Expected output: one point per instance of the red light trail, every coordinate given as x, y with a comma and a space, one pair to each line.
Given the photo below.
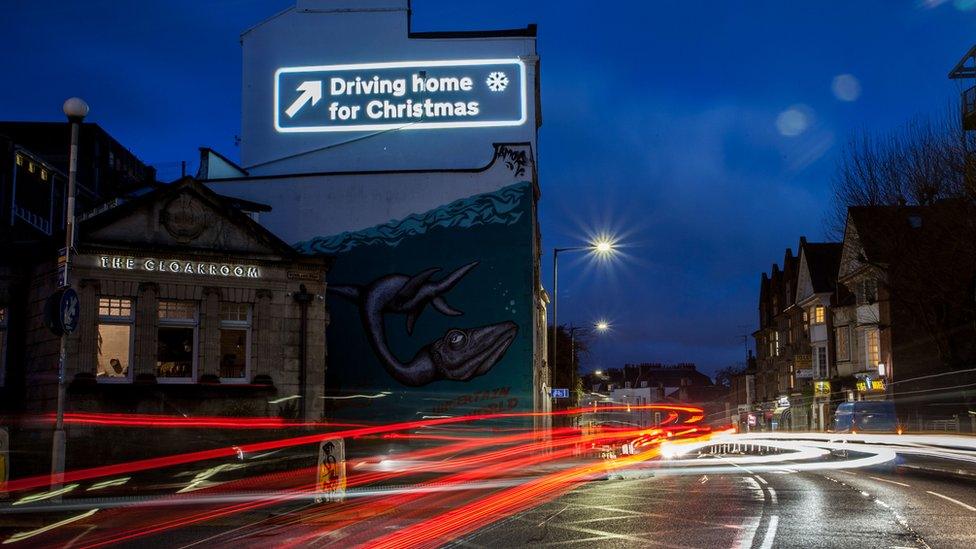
232, 451
520, 457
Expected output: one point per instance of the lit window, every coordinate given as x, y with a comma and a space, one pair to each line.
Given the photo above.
114, 339
31, 167
872, 349
108, 306
819, 314
43, 174
20, 160
176, 341
235, 341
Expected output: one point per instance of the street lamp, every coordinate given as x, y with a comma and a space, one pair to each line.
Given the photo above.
75, 109
601, 326
601, 247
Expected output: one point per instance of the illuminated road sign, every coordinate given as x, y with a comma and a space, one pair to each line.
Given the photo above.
408, 95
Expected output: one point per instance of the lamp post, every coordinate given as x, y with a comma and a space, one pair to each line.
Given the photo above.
600, 327
75, 109
602, 247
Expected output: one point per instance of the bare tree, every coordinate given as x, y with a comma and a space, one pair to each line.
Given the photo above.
922, 163
922, 236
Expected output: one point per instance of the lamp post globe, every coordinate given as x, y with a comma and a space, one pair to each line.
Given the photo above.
75, 108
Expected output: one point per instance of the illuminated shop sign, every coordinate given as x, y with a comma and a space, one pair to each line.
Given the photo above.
411, 95
869, 384
821, 388
175, 266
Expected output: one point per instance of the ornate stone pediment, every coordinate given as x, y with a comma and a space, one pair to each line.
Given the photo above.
186, 215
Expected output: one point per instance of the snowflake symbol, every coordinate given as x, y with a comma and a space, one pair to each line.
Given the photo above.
497, 81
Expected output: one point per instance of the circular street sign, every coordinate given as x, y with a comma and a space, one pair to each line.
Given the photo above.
62, 310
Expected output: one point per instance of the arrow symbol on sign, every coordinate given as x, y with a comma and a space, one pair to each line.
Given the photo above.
311, 91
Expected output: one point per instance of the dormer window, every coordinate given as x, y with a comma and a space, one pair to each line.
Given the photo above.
867, 291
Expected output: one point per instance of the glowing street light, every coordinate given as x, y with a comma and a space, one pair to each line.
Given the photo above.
602, 246
602, 326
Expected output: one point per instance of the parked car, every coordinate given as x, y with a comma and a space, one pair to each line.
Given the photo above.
866, 416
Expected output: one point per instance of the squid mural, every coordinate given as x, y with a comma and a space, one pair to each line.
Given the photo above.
435, 308
461, 354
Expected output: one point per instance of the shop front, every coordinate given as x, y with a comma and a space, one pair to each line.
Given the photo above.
187, 307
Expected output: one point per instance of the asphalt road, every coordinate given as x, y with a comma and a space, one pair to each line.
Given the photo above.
875, 507
887, 506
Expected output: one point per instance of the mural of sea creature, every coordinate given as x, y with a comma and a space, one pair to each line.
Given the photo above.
459, 355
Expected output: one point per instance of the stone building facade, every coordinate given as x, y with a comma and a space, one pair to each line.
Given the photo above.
187, 306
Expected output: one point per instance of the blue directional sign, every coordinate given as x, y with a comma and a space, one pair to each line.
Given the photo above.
407, 95
62, 311
560, 393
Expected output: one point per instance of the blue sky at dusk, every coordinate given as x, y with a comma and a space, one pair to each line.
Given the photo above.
702, 134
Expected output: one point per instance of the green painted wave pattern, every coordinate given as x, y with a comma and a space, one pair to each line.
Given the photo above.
501, 206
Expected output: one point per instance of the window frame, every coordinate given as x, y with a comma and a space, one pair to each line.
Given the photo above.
846, 331
247, 325
114, 320
867, 291
820, 362
4, 331
870, 363
819, 315
179, 323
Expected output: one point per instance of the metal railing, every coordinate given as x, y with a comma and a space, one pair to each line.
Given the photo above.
40, 223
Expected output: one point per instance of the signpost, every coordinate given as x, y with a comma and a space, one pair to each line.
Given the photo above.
560, 393
62, 267
330, 477
411, 95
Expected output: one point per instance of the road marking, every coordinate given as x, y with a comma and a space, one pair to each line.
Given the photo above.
552, 516
762, 480
892, 481
746, 535
704, 479
956, 501
767, 542
20, 536
772, 494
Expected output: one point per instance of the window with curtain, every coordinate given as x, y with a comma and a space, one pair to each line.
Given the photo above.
115, 323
